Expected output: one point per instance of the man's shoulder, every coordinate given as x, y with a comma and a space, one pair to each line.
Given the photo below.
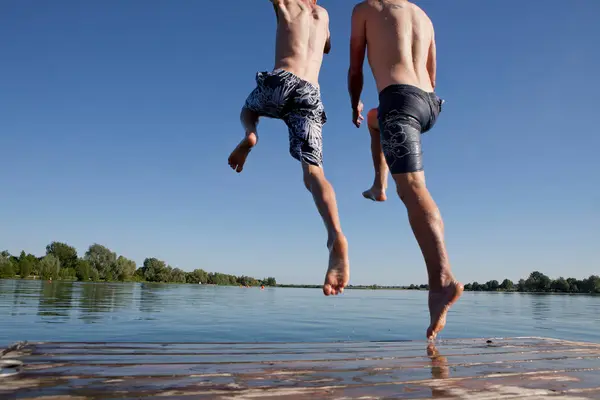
362, 7
420, 12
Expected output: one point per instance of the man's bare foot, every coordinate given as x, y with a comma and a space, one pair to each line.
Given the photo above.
439, 304
375, 194
338, 273
237, 158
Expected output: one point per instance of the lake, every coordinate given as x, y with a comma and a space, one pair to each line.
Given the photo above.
73, 311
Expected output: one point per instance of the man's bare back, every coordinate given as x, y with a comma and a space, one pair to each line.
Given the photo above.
401, 43
302, 38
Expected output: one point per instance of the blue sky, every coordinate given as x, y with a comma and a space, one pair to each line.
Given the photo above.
117, 118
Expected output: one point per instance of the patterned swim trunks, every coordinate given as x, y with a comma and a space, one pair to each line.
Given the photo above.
283, 95
404, 113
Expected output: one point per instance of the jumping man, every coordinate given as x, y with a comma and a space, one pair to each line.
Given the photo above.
400, 41
290, 92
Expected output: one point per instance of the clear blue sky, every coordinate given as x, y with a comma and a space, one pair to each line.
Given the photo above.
117, 118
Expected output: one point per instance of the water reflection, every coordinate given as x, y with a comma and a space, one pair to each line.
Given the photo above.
151, 297
55, 301
17, 300
97, 299
541, 305
439, 370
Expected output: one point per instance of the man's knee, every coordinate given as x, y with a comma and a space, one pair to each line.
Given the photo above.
372, 121
247, 116
410, 186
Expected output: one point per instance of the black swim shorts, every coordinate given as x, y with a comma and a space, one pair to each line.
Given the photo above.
283, 95
404, 113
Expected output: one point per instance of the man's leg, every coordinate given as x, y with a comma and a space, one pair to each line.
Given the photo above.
428, 227
238, 156
377, 191
338, 272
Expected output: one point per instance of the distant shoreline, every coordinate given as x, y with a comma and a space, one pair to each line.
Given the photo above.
289, 286
393, 288
100, 264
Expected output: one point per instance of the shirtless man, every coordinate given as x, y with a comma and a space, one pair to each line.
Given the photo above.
400, 42
290, 92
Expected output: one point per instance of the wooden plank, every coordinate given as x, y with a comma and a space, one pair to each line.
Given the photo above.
462, 368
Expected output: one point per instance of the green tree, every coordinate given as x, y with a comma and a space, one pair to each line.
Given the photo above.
67, 274
83, 270
94, 274
33, 262
590, 285
49, 267
573, 285
538, 282
493, 285
270, 281
197, 276
25, 267
246, 281
102, 259
124, 268
139, 275
155, 270
7, 269
594, 282
177, 276
507, 284
165, 274
560, 285
67, 255
109, 276
16, 262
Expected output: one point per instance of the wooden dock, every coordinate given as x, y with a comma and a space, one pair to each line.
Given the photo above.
531, 368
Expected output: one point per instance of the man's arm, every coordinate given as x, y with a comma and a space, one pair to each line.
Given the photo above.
431, 61
358, 45
325, 16
280, 7
275, 3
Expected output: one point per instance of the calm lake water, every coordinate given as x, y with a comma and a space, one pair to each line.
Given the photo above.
65, 311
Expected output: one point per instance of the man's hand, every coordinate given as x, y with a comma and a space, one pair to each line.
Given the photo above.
358, 46
357, 117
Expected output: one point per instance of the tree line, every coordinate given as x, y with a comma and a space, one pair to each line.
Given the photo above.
539, 283
61, 262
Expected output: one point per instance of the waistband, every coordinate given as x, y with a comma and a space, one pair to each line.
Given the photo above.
281, 71
401, 87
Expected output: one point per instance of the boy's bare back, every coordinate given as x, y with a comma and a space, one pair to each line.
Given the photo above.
302, 37
400, 43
